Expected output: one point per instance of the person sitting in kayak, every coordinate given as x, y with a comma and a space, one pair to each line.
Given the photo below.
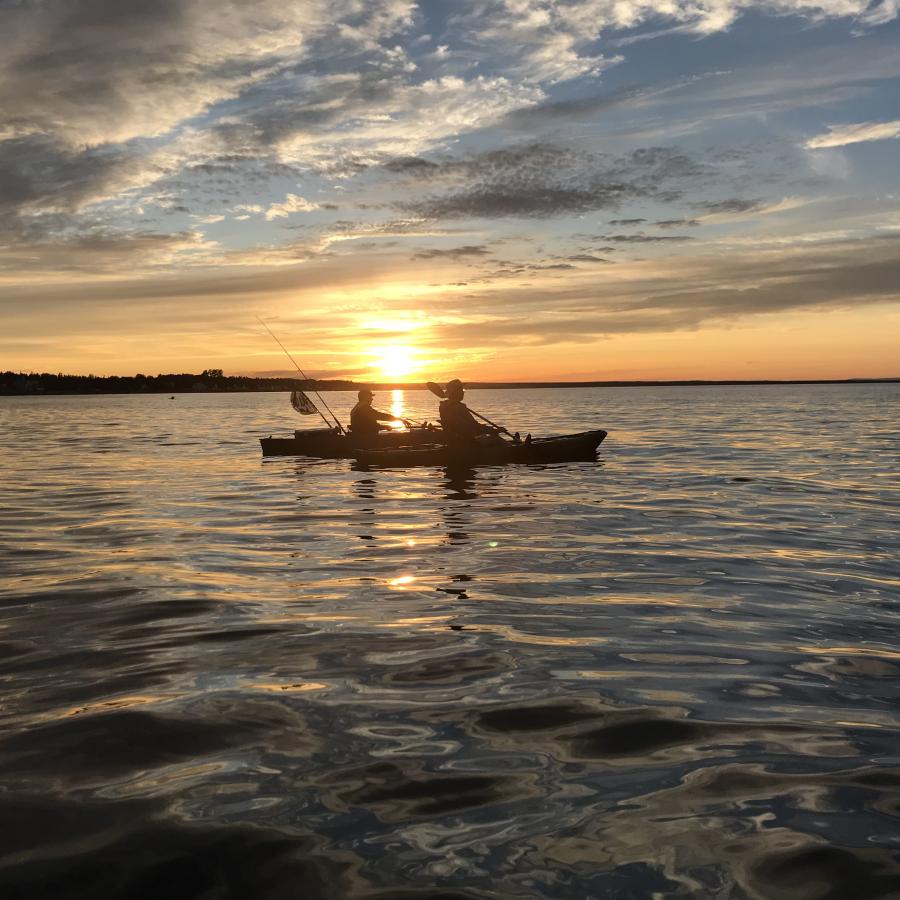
365, 420
460, 426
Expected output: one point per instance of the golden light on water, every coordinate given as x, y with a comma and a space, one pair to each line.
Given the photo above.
401, 581
397, 404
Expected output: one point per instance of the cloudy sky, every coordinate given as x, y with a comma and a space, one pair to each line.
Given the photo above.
505, 189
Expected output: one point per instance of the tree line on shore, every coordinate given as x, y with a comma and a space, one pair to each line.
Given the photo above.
214, 380
207, 380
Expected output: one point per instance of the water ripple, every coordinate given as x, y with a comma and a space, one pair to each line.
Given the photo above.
671, 673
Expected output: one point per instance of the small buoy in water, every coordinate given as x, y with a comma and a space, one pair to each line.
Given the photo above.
171, 398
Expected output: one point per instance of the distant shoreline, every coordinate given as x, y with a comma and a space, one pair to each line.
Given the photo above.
33, 384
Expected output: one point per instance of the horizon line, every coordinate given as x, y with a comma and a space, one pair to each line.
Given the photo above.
211, 383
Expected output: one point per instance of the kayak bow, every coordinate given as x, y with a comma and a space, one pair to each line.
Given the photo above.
328, 443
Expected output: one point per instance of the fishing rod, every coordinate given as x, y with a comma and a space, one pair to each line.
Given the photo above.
294, 361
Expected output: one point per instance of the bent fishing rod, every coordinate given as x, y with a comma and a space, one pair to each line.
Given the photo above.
303, 374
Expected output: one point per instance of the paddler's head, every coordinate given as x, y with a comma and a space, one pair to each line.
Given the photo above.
454, 390
366, 396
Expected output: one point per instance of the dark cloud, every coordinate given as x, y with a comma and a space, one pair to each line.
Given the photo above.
627, 222
525, 160
663, 162
100, 250
453, 252
513, 200
542, 180
198, 290
37, 174
644, 238
410, 164
374, 245
309, 107
586, 257
845, 275
92, 93
676, 223
103, 70
85, 55
237, 168
553, 112
732, 205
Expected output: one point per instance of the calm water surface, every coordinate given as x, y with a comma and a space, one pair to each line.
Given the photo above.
671, 673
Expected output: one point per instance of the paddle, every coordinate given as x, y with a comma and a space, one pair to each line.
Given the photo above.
438, 391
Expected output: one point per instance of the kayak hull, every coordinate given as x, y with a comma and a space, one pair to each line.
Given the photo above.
565, 448
327, 443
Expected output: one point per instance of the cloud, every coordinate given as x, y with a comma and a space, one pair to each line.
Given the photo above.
552, 112
641, 238
842, 135
731, 205
696, 291
124, 125
104, 252
349, 230
676, 223
552, 43
542, 180
562, 304
411, 165
39, 175
515, 200
340, 125
454, 252
99, 71
107, 98
291, 204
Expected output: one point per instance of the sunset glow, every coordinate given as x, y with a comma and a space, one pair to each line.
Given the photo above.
518, 191
395, 362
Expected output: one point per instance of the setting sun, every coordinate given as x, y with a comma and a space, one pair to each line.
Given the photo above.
395, 361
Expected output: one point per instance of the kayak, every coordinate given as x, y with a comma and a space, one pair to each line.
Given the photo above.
329, 443
563, 448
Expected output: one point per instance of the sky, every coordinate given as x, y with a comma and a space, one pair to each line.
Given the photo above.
493, 189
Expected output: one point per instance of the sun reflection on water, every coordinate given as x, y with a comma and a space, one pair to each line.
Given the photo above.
401, 581
398, 407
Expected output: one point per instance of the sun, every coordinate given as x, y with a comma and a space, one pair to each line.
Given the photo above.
395, 361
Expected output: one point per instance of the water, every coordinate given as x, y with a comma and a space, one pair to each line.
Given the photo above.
672, 673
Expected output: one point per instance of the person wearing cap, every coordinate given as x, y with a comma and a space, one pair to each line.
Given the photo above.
458, 423
365, 420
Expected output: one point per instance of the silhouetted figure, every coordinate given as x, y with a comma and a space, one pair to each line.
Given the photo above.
365, 419
460, 426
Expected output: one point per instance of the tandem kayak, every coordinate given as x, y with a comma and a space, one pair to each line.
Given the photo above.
328, 443
564, 448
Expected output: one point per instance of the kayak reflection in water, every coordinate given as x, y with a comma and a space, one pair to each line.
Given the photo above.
365, 420
460, 426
